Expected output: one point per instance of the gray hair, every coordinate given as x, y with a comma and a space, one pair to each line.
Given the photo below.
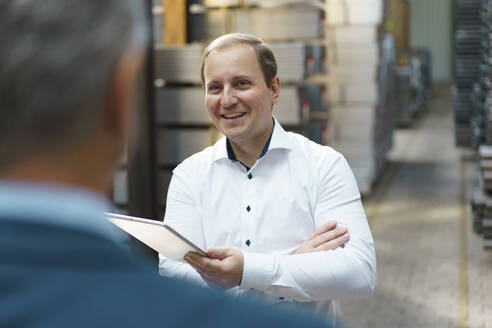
57, 62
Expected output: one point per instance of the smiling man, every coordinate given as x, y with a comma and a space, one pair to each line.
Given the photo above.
273, 209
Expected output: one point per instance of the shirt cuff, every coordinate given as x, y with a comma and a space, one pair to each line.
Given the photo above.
258, 271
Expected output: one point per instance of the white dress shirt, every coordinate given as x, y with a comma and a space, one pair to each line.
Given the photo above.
267, 212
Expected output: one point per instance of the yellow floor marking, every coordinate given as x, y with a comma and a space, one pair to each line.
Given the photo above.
463, 315
386, 186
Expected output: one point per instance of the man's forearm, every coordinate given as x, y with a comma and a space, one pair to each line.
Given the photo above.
336, 274
179, 270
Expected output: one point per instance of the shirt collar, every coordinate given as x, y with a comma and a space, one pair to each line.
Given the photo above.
278, 139
58, 205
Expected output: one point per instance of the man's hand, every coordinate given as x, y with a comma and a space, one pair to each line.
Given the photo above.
326, 237
223, 269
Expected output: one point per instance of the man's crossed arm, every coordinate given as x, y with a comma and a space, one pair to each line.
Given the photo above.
223, 268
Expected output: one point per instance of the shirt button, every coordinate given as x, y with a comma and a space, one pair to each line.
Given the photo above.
250, 176
248, 243
248, 208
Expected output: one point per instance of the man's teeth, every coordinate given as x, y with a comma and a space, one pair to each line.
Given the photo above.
233, 115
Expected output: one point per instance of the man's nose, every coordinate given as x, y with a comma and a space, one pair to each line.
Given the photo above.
229, 98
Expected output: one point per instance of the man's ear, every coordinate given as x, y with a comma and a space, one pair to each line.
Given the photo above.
122, 92
275, 88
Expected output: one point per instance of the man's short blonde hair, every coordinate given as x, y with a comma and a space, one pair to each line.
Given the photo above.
264, 54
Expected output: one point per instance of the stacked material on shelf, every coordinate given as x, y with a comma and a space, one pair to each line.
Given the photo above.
478, 206
481, 87
487, 233
482, 130
314, 112
481, 205
291, 60
485, 164
181, 105
361, 65
275, 3
485, 161
278, 23
403, 95
175, 144
209, 24
481, 202
315, 60
478, 120
185, 106
178, 64
281, 23
413, 82
288, 108
295, 61
467, 67
221, 3
260, 3
422, 64
351, 12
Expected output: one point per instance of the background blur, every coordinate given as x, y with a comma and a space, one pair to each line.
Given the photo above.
400, 87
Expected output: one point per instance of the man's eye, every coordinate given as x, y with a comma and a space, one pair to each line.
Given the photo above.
213, 88
243, 83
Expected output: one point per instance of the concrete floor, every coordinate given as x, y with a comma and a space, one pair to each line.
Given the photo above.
432, 268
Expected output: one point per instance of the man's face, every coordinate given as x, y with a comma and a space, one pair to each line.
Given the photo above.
236, 95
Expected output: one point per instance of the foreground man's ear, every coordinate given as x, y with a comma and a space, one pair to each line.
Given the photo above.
121, 94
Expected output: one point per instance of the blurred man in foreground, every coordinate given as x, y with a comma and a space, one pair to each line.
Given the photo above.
68, 71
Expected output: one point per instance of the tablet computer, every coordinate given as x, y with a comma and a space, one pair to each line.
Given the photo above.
157, 235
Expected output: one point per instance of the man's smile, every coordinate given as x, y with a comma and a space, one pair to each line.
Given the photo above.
233, 116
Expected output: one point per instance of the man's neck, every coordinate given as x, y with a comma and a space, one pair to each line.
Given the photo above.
39, 172
248, 152
79, 170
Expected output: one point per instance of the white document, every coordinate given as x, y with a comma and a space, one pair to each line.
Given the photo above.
157, 235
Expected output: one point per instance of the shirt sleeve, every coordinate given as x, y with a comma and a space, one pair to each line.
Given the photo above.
181, 204
334, 274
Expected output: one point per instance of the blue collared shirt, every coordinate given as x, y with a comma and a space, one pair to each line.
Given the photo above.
55, 204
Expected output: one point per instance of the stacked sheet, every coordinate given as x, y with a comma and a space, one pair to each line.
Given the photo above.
295, 61
403, 95
481, 205
278, 23
185, 105
176, 144
291, 60
259, 3
360, 65
481, 202
281, 23
178, 64
467, 67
